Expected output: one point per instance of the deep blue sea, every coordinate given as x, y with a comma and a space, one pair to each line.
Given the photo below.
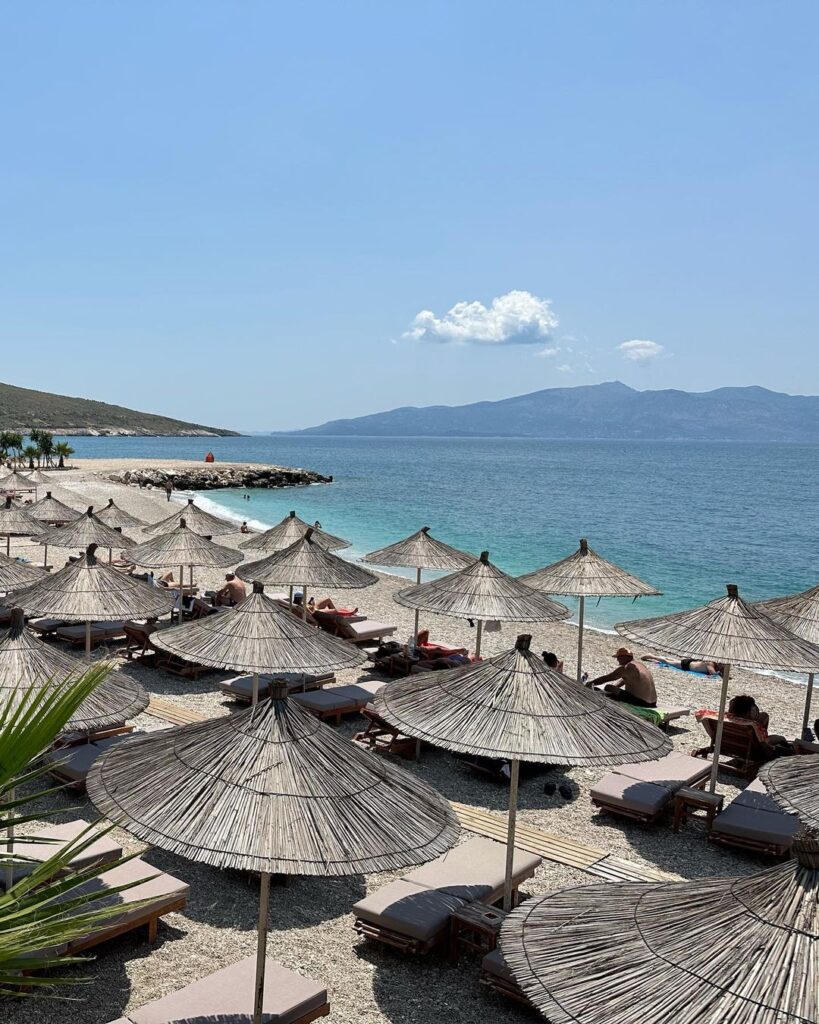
687, 517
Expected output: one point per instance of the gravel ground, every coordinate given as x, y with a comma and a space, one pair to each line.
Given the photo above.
310, 918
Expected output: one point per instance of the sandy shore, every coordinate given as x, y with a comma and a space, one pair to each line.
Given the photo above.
310, 918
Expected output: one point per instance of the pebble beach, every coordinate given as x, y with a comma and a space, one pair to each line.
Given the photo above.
310, 919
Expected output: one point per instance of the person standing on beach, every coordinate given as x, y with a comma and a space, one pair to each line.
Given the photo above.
631, 681
168, 488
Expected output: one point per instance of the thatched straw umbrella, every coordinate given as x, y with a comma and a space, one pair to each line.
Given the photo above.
287, 532
91, 591
420, 551
309, 564
513, 706
115, 517
17, 483
16, 522
196, 519
728, 631
14, 574
794, 783
183, 547
38, 477
585, 574
800, 614
740, 950
272, 790
84, 530
258, 637
52, 511
482, 591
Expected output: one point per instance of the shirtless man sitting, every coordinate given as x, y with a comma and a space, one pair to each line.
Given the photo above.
233, 592
631, 681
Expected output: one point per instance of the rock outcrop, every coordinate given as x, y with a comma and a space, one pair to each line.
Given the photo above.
214, 476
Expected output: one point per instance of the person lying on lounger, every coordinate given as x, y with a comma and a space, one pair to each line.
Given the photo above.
703, 668
552, 661
631, 681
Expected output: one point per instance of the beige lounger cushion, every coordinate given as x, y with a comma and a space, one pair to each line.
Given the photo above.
101, 851
645, 788
368, 630
359, 694
474, 870
673, 771
227, 995
325, 700
672, 711
410, 909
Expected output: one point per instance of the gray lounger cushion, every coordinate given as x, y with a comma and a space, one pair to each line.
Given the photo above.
227, 996
474, 870
242, 686
359, 694
673, 771
102, 850
632, 795
99, 630
409, 909
645, 788
74, 763
754, 815
493, 963
325, 700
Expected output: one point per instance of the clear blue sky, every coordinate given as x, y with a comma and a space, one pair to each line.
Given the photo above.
234, 212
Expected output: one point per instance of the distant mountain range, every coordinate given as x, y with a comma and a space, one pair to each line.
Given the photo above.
612, 410
22, 409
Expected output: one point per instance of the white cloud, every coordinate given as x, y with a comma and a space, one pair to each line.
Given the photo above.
517, 318
564, 368
548, 351
640, 351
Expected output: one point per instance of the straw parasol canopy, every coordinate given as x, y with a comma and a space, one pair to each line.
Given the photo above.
287, 532
37, 476
16, 522
26, 661
112, 515
15, 481
482, 591
794, 783
14, 574
257, 637
197, 520
513, 706
744, 950
586, 574
85, 530
51, 510
800, 614
729, 631
272, 790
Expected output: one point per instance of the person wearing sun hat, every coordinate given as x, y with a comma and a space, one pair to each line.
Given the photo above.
631, 681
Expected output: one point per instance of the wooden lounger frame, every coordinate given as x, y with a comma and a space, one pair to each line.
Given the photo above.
767, 849
741, 751
507, 989
385, 738
646, 819
148, 916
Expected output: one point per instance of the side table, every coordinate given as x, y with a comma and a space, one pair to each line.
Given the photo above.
688, 799
475, 926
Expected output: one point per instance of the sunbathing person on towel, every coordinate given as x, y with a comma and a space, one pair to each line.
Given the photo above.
703, 668
631, 681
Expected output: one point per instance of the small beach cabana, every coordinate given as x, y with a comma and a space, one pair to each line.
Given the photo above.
287, 532
183, 547
17, 522
90, 591
729, 631
258, 637
52, 511
14, 574
420, 551
800, 614
586, 574
482, 591
514, 707
274, 791
115, 517
196, 519
84, 530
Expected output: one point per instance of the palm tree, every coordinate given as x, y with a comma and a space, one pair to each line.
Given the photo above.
31, 452
44, 440
42, 910
64, 450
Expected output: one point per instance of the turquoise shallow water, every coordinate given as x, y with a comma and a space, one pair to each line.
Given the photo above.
687, 517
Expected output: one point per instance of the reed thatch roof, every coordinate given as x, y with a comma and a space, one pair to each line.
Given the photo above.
309, 564
734, 950
91, 591
420, 551
16, 482
794, 783
287, 532
514, 706
15, 574
16, 522
585, 574
727, 630
112, 515
26, 661
51, 510
197, 520
183, 546
37, 476
482, 591
271, 789
85, 530
797, 612
259, 637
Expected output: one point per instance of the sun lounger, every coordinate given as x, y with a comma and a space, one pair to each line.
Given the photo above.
46, 626
357, 631
412, 914
101, 633
645, 791
141, 646
742, 752
241, 687
385, 738
659, 716
495, 974
805, 747
50, 841
227, 995
72, 764
336, 701
755, 822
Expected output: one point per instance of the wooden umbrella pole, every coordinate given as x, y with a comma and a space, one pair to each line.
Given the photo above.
478, 639
8, 545
580, 616
255, 699
808, 697
304, 602
291, 594
712, 786
181, 589
510, 835
261, 946
45, 556
88, 640
417, 610
110, 555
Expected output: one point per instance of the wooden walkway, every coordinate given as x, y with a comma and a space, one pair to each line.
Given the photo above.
176, 714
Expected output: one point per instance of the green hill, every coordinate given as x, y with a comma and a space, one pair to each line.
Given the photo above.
21, 409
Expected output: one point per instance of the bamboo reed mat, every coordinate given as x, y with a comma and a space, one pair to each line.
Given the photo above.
558, 849
173, 713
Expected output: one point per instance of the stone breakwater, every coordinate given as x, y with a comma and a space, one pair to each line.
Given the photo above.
213, 476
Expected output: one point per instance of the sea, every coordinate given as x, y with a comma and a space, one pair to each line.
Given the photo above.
688, 517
